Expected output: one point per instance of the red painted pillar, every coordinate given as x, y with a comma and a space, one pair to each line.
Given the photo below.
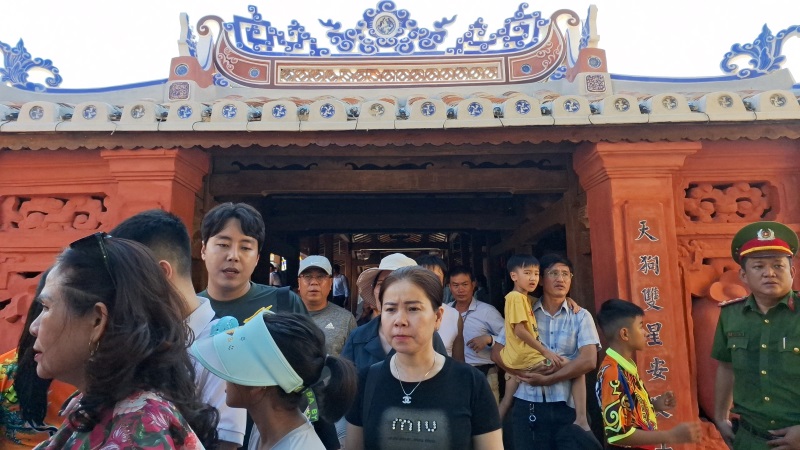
631, 207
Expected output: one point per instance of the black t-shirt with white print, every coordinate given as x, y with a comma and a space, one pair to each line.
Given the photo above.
445, 412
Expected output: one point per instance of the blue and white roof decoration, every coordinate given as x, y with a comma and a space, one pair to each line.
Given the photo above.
764, 53
399, 75
17, 65
528, 47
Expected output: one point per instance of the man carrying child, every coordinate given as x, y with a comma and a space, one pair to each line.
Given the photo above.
523, 349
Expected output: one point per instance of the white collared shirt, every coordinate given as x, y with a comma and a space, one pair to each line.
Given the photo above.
480, 319
232, 421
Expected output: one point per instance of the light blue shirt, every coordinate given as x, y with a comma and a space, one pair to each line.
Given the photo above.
565, 333
480, 319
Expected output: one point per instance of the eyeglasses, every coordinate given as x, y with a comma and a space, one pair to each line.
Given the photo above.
556, 274
87, 244
309, 277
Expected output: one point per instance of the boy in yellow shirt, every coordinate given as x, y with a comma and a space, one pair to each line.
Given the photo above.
523, 350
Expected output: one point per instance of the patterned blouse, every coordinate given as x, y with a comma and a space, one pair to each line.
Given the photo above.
14, 431
623, 399
144, 420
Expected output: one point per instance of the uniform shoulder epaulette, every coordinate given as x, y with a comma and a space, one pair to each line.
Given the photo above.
732, 301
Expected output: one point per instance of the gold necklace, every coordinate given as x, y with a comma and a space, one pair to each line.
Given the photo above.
407, 396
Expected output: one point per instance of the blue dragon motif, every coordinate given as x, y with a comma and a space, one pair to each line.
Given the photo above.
764, 52
220, 80
257, 36
388, 29
520, 31
18, 63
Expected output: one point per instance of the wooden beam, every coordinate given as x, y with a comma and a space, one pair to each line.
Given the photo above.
399, 245
554, 215
388, 222
263, 183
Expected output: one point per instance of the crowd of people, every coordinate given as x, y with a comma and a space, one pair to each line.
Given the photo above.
119, 350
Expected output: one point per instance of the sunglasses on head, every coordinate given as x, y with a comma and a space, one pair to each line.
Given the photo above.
95, 242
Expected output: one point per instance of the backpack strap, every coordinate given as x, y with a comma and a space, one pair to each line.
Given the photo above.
284, 304
369, 389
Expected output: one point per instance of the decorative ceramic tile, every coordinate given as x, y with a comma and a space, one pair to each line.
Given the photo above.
522, 106
777, 100
89, 112
622, 105
181, 70
475, 109
572, 105
185, 111
669, 102
137, 112
229, 111
36, 113
327, 110
595, 83
376, 110
279, 111
428, 109
179, 91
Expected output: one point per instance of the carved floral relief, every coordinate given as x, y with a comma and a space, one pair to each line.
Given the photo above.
78, 212
725, 203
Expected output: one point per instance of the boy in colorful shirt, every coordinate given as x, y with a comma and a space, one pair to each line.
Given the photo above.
523, 349
629, 415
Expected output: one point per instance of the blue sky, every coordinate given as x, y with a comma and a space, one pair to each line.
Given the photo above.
97, 43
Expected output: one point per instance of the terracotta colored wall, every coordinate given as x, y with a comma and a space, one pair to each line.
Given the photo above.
51, 198
693, 198
630, 205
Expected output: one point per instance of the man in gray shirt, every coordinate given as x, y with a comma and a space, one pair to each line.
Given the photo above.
314, 285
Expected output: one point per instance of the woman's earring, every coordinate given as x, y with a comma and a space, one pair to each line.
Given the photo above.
92, 351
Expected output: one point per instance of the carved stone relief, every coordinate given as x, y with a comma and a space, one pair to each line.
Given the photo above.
725, 203
15, 299
709, 281
78, 212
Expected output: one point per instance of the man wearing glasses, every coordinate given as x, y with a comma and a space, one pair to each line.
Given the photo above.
314, 284
543, 415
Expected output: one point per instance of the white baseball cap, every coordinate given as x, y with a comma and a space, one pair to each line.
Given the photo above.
316, 261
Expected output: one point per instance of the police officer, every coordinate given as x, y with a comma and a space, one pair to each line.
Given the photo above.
757, 344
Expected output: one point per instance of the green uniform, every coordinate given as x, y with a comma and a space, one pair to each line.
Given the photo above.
764, 350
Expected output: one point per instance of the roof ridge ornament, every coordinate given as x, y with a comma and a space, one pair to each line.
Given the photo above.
528, 48
387, 28
18, 64
764, 53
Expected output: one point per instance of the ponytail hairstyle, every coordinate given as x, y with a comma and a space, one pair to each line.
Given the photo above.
303, 345
31, 390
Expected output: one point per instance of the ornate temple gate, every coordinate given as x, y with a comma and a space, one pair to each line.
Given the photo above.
485, 148
504, 197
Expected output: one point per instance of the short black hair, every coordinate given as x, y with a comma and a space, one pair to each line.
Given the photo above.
551, 259
163, 233
249, 219
462, 270
432, 261
337, 268
520, 262
616, 314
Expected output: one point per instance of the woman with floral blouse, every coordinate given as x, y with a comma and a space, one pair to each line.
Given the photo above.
111, 325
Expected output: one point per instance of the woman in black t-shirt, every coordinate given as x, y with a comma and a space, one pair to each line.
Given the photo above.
417, 398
